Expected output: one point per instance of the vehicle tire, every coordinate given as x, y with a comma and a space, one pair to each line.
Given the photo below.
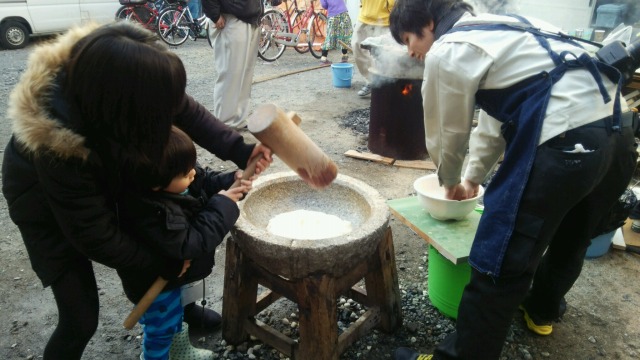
122, 13
13, 35
173, 27
317, 34
303, 35
272, 22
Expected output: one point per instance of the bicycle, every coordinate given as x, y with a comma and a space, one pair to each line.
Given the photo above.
304, 30
144, 12
176, 24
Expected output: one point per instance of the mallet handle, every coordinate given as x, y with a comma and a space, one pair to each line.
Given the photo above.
249, 171
144, 303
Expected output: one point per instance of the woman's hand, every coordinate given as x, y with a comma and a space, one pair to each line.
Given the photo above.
266, 160
185, 266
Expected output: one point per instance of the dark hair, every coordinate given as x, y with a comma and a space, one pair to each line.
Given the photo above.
411, 16
178, 158
124, 89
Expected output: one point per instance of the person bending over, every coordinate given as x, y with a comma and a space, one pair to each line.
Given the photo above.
563, 169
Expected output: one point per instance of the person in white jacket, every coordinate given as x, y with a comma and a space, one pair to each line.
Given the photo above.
567, 136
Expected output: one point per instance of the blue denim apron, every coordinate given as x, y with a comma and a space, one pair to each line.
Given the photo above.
521, 108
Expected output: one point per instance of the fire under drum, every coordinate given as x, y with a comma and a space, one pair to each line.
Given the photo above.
312, 273
396, 124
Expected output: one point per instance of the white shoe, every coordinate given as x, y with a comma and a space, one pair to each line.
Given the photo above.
366, 90
181, 348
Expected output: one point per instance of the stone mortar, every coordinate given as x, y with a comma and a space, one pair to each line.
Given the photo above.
346, 197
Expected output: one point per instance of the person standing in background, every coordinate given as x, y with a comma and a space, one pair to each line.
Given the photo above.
195, 7
339, 29
372, 21
234, 34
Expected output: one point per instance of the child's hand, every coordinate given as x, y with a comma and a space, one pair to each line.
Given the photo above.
238, 177
237, 193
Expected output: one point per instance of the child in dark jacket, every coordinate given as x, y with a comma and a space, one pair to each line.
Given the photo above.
184, 212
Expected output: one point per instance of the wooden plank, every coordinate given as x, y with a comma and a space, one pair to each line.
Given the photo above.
265, 299
631, 238
416, 164
369, 156
359, 295
361, 327
452, 238
276, 76
382, 285
618, 240
239, 295
631, 95
270, 336
318, 313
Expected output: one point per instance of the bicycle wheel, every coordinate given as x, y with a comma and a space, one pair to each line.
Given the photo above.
173, 26
122, 13
317, 34
303, 38
272, 22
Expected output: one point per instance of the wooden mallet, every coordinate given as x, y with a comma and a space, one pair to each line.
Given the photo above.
279, 131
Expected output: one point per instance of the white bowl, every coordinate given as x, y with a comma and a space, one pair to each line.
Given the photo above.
431, 196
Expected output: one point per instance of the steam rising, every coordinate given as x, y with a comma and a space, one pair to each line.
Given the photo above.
493, 6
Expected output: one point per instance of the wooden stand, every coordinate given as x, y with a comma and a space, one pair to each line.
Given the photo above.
316, 296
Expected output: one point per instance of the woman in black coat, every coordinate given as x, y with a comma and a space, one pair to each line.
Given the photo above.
86, 105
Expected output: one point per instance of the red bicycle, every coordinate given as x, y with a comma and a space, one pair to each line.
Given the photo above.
304, 30
145, 12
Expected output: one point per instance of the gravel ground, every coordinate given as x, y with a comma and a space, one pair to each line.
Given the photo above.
601, 321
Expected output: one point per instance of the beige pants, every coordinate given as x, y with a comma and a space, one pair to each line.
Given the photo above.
363, 57
235, 51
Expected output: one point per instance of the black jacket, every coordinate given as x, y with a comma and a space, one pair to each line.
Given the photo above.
61, 196
179, 227
248, 11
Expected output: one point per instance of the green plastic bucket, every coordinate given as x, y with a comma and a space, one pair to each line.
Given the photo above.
342, 74
446, 282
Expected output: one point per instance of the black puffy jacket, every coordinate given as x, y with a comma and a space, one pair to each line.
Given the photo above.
61, 196
248, 11
179, 227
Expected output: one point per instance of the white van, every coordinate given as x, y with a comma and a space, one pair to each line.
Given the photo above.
20, 19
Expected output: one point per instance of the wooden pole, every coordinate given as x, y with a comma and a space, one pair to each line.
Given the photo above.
144, 303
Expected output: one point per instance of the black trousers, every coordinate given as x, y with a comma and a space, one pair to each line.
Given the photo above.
566, 197
76, 294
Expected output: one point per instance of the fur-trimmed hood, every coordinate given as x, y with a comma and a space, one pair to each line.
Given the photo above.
29, 102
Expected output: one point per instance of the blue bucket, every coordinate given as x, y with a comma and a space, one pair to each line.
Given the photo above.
342, 74
600, 245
